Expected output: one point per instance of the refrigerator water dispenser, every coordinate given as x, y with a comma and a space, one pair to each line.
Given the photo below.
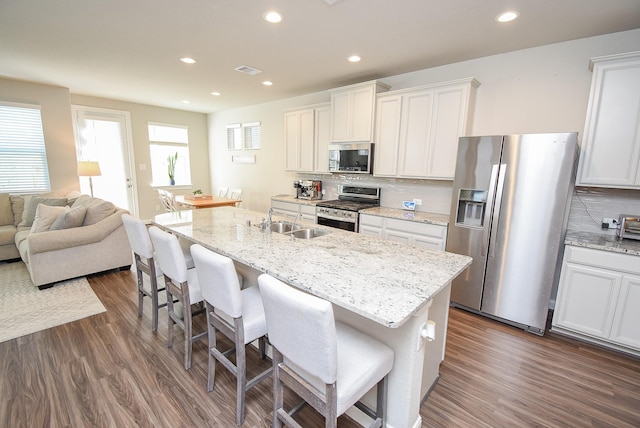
471, 206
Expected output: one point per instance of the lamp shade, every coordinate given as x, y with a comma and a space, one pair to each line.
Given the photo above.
88, 169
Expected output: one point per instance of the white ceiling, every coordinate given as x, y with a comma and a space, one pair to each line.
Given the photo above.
129, 49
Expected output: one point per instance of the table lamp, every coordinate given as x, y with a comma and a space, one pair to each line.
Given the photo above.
89, 169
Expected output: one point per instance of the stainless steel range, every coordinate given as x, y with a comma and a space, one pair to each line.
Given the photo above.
342, 213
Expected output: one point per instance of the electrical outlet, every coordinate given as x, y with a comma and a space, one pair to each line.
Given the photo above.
421, 339
609, 223
418, 201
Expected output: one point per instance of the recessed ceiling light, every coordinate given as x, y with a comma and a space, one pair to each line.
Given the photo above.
216, 93
186, 102
188, 60
273, 17
354, 58
507, 16
267, 83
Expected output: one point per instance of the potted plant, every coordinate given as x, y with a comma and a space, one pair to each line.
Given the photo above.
171, 167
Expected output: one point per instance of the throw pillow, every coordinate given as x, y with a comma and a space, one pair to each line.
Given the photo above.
30, 207
98, 210
71, 218
6, 214
45, 216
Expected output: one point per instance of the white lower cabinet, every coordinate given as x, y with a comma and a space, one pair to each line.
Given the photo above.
424, 235
291, 209
598, 298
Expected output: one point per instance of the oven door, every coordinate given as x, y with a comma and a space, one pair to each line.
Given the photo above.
338, 224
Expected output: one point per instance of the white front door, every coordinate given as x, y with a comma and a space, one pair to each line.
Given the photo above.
105, 136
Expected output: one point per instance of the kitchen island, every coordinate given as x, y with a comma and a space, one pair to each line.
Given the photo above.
382, 288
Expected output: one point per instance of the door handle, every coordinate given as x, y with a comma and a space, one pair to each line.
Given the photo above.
496, 211
488, 208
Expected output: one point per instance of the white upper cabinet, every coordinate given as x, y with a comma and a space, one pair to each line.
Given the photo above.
352, 111
417, 129
611, 142
307, 139
322, 138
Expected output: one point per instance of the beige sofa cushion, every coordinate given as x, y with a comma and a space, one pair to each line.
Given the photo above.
72, 217
6, 213
31, 204
45, 216
7, 234
17, 206
98, 210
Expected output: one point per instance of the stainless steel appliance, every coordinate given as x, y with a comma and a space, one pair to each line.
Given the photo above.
354, 158
629, 227
342, 213
308, 189
510, 205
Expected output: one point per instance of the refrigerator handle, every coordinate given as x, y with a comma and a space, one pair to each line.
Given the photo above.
488, 209
496, 211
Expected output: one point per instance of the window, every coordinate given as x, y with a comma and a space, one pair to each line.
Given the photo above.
234, 137
166, 141
23, 158
251, 133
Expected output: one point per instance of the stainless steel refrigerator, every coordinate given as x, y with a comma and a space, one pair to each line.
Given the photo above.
509, 211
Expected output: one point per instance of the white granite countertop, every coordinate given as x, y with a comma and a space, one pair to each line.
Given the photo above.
603, 242
289, 198
417, 216
384, 281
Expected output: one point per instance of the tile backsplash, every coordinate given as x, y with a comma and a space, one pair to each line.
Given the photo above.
435, 195
591, 204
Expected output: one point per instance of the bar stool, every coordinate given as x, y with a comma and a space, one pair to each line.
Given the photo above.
236, 313
181, 285
143, 253
327, 363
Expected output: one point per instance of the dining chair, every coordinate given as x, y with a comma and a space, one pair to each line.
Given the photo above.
182, 287
237, 313
235, 193
168, 200
328, 364
222, 192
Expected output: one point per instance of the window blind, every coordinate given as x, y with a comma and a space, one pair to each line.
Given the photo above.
23, 157
251, 135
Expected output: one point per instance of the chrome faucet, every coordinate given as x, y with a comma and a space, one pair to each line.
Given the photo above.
293, 226
269, 215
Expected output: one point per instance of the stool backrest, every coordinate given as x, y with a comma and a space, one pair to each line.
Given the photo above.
301, 327
138, 236
218, 280
169, 255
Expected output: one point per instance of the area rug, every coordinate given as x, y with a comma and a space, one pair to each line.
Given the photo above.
24, 309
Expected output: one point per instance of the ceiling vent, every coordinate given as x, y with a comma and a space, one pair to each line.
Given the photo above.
331, 2
248, 70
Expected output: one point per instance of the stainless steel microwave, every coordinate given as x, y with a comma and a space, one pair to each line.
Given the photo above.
351, 157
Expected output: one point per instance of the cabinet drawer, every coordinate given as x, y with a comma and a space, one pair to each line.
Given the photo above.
371, 220
308, 209
417, 228
606, 259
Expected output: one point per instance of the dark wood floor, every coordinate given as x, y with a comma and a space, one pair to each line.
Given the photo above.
110, 370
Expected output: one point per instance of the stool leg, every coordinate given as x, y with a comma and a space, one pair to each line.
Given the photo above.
278, 389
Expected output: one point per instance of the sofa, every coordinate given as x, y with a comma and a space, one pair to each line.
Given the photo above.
60, 237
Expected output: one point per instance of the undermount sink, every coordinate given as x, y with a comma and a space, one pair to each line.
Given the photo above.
280, 227
308, 233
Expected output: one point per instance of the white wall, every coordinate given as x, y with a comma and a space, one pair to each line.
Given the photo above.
542, 89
